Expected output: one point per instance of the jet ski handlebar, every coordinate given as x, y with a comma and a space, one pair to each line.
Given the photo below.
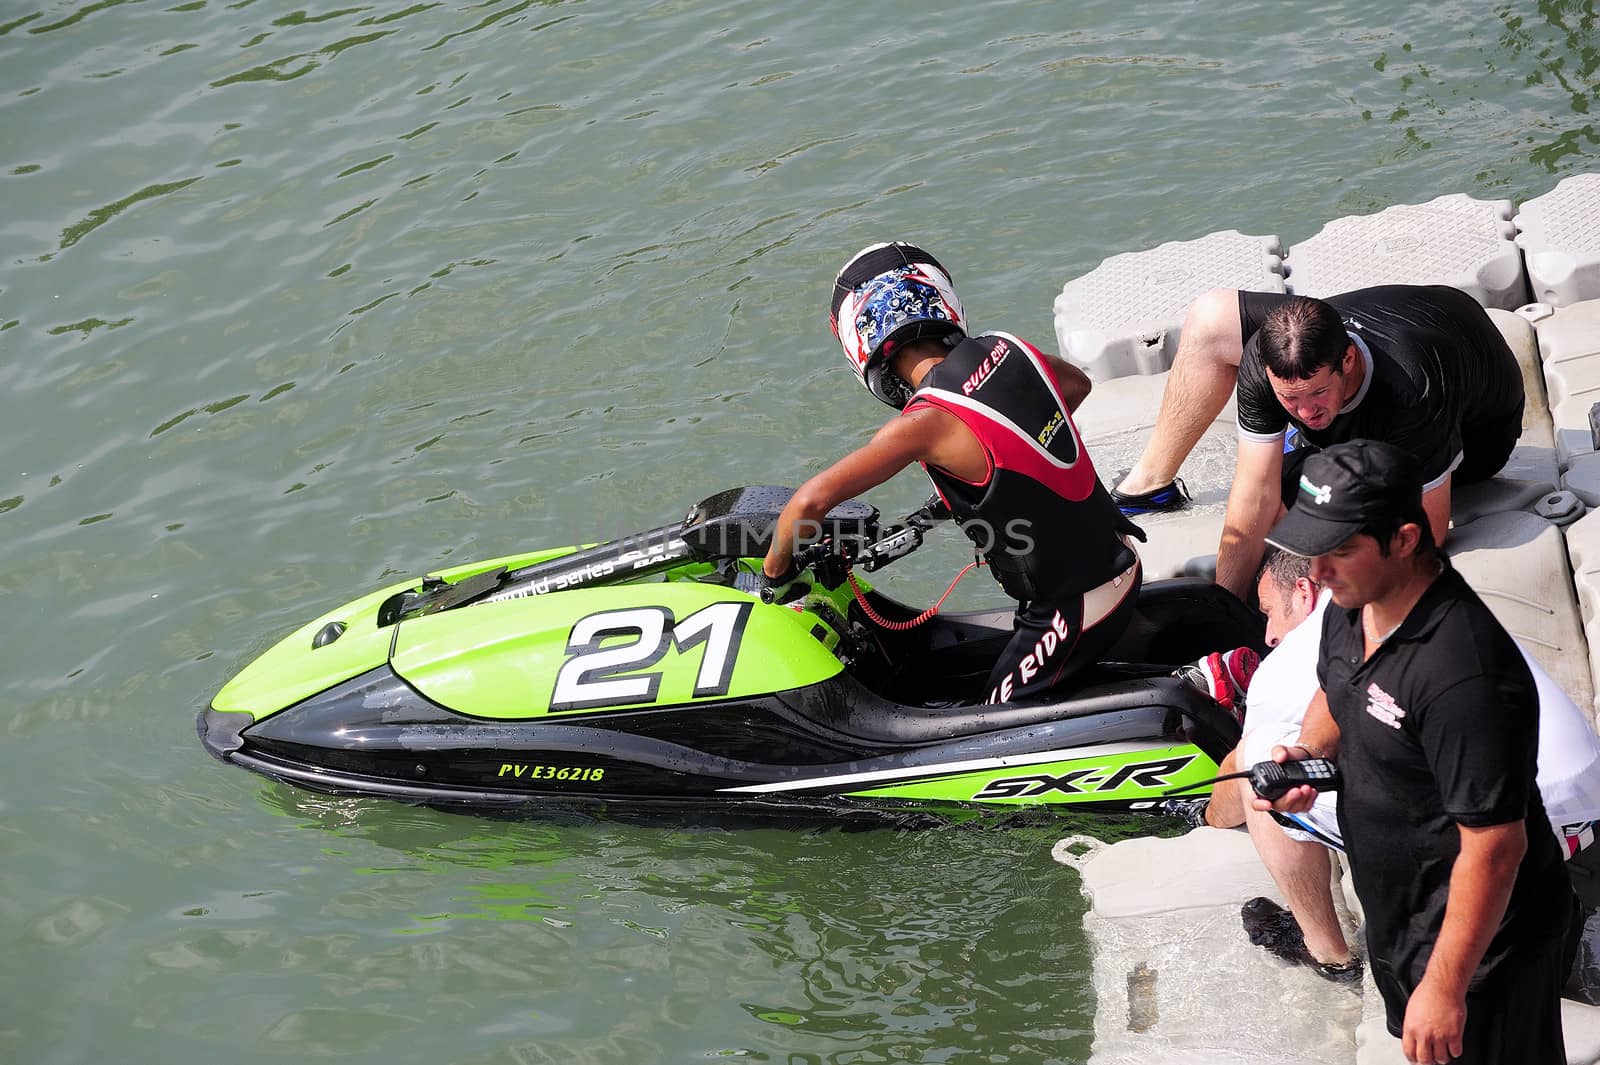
734, 524
892, 542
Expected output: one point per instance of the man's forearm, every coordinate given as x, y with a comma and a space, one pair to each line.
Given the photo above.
1226, 808
1319, 733
1319, 738
1251, 511
1480, 887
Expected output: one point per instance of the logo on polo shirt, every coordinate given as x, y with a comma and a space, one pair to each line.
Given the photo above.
1319, 493
1381, 705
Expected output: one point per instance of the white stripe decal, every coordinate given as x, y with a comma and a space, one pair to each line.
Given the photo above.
889, 775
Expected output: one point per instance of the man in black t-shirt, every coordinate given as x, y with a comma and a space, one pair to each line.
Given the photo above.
1431, 713
1418, 366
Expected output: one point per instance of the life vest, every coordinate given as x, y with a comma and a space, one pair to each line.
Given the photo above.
1041, 519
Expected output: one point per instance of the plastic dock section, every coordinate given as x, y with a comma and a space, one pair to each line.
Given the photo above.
1176, 981
1164, 916
1123, 317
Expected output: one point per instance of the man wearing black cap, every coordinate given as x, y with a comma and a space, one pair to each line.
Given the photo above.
1431, 714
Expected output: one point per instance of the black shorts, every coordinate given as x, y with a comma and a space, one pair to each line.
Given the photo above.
1515, 1016
1051, 643
1485, 450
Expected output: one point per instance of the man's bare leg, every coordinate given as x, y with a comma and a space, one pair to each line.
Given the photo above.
1204, 371
1303, 872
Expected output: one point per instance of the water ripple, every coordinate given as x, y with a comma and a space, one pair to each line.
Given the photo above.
296, 300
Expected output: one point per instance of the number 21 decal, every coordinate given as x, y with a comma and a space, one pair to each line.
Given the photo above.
594, 675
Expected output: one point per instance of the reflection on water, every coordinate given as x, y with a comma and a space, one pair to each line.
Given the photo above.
840, 942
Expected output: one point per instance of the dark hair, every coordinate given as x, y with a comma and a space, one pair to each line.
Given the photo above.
1284, 567
1383, 527
1300, 336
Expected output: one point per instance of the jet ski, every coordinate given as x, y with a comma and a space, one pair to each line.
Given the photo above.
646, 673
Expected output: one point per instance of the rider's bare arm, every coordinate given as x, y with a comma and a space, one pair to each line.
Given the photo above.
1073, 382
924, 435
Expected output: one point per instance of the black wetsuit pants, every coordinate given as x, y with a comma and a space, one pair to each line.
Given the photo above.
1053, 640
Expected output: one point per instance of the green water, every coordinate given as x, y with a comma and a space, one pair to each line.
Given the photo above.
294, 299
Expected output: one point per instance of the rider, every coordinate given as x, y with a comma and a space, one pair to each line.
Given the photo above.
990, 420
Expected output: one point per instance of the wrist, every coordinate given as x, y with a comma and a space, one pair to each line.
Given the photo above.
784, 577
1442, 982
1311, 752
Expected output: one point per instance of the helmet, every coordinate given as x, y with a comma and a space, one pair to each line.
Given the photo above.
889, 294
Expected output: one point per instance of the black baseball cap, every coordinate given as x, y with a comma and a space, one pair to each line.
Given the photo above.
1342, 489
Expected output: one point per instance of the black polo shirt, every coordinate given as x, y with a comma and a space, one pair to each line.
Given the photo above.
1439, 376
1439, 727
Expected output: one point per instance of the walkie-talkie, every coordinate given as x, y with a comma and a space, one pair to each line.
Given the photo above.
1271, 779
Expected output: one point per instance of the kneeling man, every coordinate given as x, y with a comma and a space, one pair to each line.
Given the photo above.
1422, 367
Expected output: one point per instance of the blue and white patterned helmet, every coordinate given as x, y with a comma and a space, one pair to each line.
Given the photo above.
889, 294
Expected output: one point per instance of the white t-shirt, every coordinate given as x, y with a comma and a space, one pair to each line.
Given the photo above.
1281, 690
1276, 703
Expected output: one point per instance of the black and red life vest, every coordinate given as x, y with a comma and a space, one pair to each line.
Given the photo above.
1041, 518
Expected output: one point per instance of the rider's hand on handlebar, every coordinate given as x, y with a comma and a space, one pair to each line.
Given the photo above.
930, 513
783, 588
